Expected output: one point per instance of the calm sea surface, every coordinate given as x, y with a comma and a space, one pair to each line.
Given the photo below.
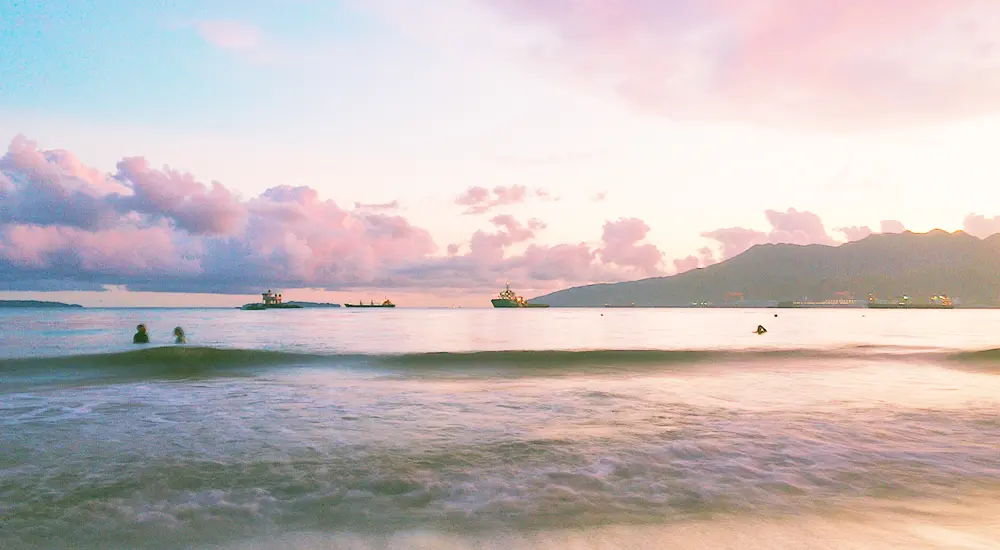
558, 428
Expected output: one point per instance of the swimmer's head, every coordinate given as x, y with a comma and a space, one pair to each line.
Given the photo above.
178, 331
140, 328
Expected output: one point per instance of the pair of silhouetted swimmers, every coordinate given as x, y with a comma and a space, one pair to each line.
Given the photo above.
142, 337
760, 329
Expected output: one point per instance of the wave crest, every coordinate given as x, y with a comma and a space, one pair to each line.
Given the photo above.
185, 361
176, 361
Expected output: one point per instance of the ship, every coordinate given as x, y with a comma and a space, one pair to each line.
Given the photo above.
834, 303
270, 301
936, 302
507, 298
385, 303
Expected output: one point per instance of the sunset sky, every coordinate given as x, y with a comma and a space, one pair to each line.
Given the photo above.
197, 153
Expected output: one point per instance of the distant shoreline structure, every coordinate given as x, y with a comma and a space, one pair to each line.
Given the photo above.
37, 304
776, 306
846, 301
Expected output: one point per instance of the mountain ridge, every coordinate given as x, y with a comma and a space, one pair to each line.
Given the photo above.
888, 265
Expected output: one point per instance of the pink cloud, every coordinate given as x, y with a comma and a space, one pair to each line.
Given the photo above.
479, 201
893, 61
736, 240
790, 226
544, 195
305, 238
229, 35
981, 226
64, 224
177, 196
621, 256
491, 259
561, 264
514, 228
622, 247
892, 226
53, 186
486, 245
707, 256
163, 230
686, 264
509, 195
128, 252
167, 226
797, 227
57, 166
473, 196
855, 233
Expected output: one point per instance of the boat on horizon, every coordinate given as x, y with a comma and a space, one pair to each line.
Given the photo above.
270, 301
507, 298
385, 303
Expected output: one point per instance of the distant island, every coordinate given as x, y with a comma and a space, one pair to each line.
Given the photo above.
919, 267
36, 304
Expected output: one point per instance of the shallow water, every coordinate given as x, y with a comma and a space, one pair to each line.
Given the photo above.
385, 429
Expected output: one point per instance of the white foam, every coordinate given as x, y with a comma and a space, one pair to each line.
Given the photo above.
796, 533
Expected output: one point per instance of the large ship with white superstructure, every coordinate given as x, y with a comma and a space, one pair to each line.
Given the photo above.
270, 301
507, 298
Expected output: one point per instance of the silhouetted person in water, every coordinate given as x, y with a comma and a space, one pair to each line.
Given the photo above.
179, 337
140, 335
761, 329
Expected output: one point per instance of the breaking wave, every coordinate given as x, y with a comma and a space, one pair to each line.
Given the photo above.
191, 362
208, 356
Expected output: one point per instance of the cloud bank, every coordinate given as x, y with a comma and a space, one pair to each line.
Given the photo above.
67, 226
840, 63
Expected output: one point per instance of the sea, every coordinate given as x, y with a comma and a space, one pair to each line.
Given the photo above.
501, 428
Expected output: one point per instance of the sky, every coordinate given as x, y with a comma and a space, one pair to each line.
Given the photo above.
161, 152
